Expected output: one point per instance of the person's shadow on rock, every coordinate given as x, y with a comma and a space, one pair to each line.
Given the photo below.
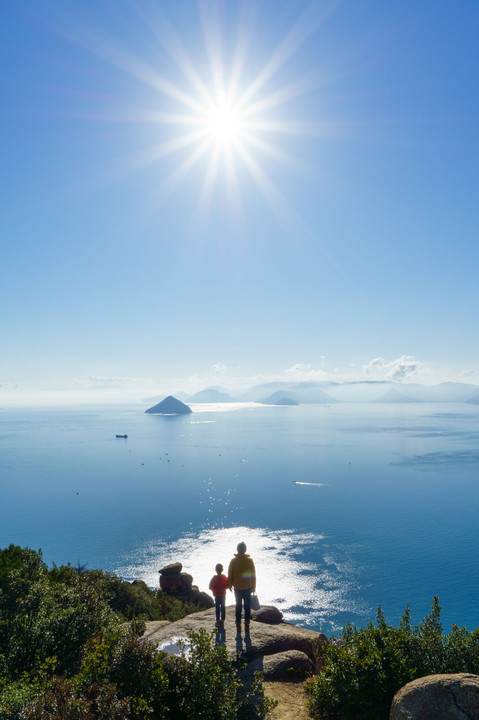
220, 638
239, 644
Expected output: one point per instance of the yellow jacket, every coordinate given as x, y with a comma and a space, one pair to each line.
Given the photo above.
241, 572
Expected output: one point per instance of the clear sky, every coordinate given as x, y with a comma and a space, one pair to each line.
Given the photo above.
229, 192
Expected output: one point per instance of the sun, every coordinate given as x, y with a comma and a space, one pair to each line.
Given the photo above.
217, 109
223, 124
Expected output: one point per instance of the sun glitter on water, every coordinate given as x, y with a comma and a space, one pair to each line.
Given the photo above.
310, 593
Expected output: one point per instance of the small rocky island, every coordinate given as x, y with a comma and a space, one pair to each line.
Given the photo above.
169, 406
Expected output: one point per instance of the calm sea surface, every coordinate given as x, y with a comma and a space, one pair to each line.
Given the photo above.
343, 507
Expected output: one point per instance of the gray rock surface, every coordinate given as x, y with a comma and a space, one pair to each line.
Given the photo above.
288, 665
263, 641
438, 697
172, 569
267, 614
180, 584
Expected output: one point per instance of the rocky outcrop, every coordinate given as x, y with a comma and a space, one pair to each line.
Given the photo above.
438, 697
277, 648
270, 645
267, 614
169, 406
175, 582
288, 665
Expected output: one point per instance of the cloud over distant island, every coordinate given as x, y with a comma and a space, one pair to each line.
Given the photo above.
233, 379
403, 368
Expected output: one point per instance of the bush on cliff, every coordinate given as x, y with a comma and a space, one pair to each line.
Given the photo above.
67, 654
127, 599
364, 668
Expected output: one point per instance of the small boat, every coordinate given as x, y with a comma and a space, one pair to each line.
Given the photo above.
122, 436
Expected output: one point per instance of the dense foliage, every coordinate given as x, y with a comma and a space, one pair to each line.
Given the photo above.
364, 668
66, 652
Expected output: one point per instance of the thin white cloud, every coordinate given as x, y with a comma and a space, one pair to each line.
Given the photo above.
219, 369
108, 381
305, 371
398, 370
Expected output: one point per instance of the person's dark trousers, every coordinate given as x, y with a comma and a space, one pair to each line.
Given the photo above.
243, 596
220, 608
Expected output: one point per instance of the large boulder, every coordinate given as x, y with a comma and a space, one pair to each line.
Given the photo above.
205, 600
187, 580
267, 614
170, 583
289, 665
172, 569
438, 697
180, 584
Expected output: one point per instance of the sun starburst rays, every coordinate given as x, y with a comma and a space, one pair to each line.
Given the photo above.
217, 108
232, 129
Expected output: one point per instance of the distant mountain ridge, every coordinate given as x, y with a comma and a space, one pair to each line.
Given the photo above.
329, 392
394, 396
210, 395
279, 398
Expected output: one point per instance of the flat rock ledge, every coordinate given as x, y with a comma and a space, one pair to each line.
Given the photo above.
438, 697
280, 650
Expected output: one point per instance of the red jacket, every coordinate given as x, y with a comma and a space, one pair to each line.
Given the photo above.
218, 585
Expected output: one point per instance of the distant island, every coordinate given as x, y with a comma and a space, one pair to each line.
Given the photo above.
328, 392
211, 395
325, 392
278, 398
394, 396
169, 406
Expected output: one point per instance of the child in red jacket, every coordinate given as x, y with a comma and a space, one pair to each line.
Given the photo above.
218, 585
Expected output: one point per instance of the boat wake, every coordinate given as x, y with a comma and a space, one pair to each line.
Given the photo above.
314, 484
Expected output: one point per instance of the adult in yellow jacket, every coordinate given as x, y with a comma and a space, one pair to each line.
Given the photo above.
242, 578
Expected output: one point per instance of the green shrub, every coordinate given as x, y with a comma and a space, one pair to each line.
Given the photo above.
364, 668
16, 558
41, 620
127, 599
67, 654
60, 701
15, 695
205, 683
121, 658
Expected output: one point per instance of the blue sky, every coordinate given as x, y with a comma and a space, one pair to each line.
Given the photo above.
231, 192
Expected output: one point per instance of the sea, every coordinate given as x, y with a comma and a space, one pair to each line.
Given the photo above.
343, 507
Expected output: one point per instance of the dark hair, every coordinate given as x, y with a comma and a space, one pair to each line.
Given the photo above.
241, 547
219, 568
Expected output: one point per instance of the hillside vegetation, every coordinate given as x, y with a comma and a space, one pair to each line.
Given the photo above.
364, 667
71, 649
66, 652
